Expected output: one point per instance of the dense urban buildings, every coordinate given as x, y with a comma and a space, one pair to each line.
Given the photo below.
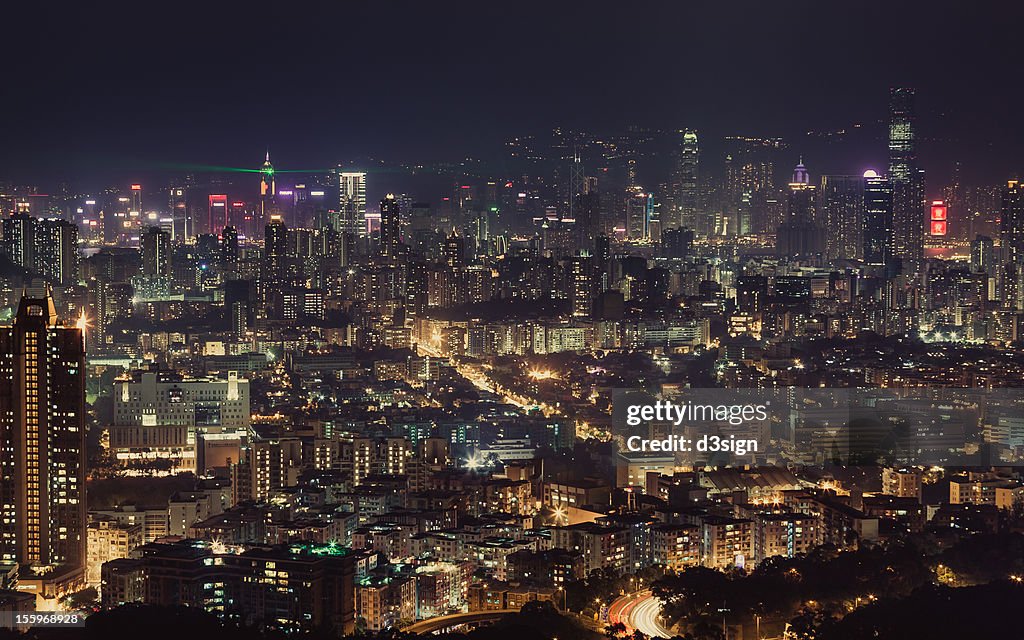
739, 370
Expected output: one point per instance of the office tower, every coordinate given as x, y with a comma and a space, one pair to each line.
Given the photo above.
800, 235
229, 252
268, 190
42, 453
1011, 223
19, 232
907, 181
352, 203
454, 251
676, 243
390, 226
842, 199
216, 212
156, 253
177, 200
588, 215
577, 184
639, 211
877, 222
275, 256
581, 286
689, 183
983, 259
238, 305
135, 203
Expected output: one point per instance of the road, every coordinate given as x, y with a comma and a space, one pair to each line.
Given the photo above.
431, 625
638, 611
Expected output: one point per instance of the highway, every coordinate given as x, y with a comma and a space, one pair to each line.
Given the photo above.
638, 611
432, 625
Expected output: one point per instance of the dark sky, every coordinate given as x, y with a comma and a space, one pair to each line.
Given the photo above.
107, 91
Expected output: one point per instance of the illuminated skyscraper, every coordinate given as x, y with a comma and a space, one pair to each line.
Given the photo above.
1011, 223
352, 203
268, 189
842, 200
19, 232
57, 250
42, 447
907, 181
390, 226
639, 211
581, 286
877, 222
801, 234
275, 256
229, 252
689, 183
588, 215
156, 253
178, 202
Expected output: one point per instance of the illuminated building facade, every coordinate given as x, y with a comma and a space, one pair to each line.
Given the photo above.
907, 181
42, 453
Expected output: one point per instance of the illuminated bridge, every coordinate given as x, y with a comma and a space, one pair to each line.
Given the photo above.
442, 623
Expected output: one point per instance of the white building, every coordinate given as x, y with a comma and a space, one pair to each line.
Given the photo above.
197, 423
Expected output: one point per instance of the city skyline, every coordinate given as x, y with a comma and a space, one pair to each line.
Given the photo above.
562, 321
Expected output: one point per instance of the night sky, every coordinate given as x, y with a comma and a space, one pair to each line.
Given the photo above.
99, 93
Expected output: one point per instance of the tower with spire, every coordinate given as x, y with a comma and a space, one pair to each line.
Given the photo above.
268, 188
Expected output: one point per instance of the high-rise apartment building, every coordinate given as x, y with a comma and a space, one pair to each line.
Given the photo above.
42, 449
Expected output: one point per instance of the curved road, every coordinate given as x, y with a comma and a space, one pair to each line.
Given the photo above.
430, 625
638, 611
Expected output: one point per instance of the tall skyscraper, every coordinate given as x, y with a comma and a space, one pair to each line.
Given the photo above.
800, 234
581, 285
588, 215
177, 200
1011, 223
156, 253
57, 251
577, 183
877, 222
689, 182
229, 252
842, 203
352, 203
275, 257
19, 240
983, 255
268, 189
907, 182
42, 447
390, 226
